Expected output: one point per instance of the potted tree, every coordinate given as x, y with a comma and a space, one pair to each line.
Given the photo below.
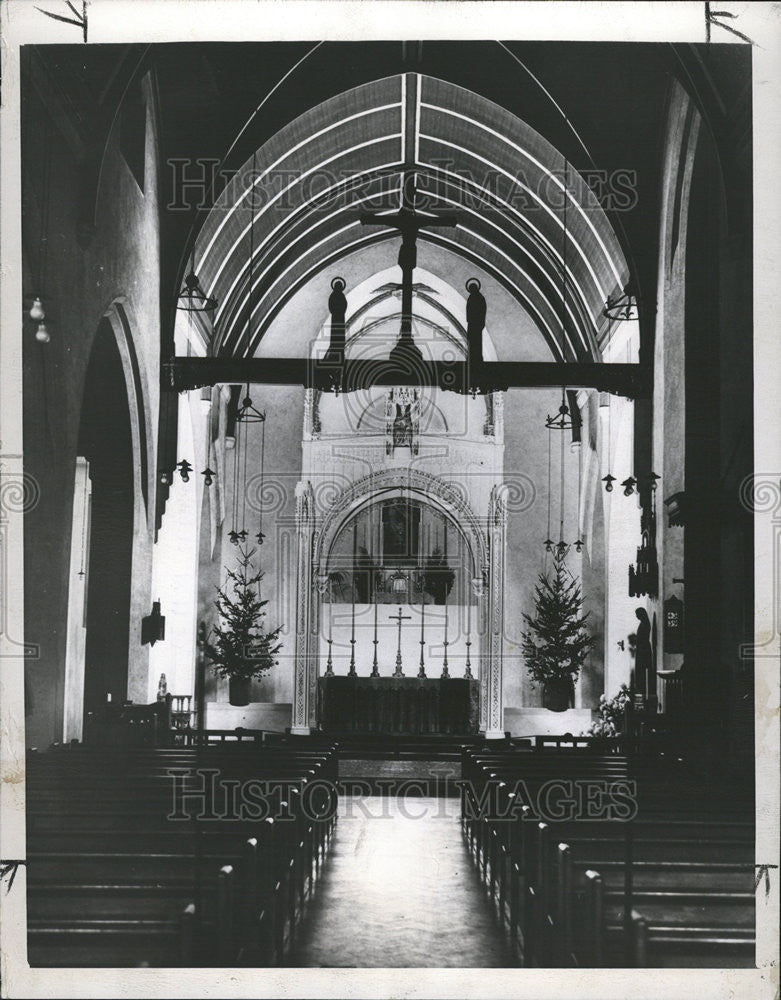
557, 641
238, 646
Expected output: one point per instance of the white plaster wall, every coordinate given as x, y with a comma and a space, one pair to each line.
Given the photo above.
86, 272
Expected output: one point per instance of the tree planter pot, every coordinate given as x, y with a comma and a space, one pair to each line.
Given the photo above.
238, 690
556, 695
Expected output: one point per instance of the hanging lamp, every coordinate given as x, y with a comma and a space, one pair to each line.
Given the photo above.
562, 420
548, 543
192, 298
622, 306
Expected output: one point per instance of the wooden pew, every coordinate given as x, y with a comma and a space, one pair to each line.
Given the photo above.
549, 878
259, 887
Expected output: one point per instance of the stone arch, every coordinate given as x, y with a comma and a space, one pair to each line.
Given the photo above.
119, 316
110, 520
106, 443
397, 482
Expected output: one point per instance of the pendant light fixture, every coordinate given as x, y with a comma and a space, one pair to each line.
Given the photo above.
579, 541
206, 403
192, 298
548, 543
184, 466
621, 307
246, 413
609, 479
37, 313
561, 421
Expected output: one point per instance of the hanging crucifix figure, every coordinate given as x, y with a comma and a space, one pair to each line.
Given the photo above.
409, 222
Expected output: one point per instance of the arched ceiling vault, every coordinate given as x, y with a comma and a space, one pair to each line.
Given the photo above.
504, 182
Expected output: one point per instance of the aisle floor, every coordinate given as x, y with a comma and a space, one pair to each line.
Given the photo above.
399, 890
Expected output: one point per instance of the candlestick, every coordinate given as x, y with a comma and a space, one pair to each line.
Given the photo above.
445, 671
422, 670
375, 669
329, 665
399, 618
352, 672
468, 670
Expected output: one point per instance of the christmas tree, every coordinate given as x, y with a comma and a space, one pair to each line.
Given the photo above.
557, 642
238, 646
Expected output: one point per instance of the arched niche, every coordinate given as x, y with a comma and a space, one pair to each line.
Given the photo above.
315, 543
110, 513
390, 483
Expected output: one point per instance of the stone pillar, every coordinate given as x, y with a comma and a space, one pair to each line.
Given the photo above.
302, 687
479, 587
497, 524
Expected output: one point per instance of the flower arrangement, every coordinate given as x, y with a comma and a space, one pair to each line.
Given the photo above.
611, 711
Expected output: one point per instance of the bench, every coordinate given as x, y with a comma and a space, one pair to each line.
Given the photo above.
114, 883
670, 887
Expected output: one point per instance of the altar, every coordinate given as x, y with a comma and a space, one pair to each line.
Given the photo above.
398, 705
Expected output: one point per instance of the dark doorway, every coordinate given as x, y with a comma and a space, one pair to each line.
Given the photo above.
105, 441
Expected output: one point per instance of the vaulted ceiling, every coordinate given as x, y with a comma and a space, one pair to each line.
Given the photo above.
523, 214
600, 106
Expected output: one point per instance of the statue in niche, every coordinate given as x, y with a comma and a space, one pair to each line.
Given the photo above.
400, 532
643, 652
364, 576
402, 415
438, 577
402, 426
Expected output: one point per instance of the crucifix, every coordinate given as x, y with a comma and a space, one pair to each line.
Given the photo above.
409, 222
399, 618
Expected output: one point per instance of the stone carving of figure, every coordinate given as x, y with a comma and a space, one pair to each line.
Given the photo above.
402, 426
643, 652
337, 306
475, 320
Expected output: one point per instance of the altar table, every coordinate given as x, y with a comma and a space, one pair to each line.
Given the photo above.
398, 705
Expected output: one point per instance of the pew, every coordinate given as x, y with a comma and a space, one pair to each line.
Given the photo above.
115, 883
672, 886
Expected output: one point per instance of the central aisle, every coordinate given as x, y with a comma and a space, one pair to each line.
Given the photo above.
398, 889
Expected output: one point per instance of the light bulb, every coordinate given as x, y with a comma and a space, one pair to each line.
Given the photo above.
36, 312
42, 334
165, 479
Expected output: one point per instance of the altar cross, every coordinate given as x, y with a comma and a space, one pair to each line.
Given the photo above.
408, 221
399, 618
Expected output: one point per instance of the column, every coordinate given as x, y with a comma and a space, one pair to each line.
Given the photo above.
494, 713
76, 639
303, 708
481, 630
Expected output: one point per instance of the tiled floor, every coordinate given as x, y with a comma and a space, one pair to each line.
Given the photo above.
399, 889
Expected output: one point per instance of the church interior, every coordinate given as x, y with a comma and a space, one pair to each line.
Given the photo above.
390, 408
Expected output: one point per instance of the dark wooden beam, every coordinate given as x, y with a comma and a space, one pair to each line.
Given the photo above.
632, 381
